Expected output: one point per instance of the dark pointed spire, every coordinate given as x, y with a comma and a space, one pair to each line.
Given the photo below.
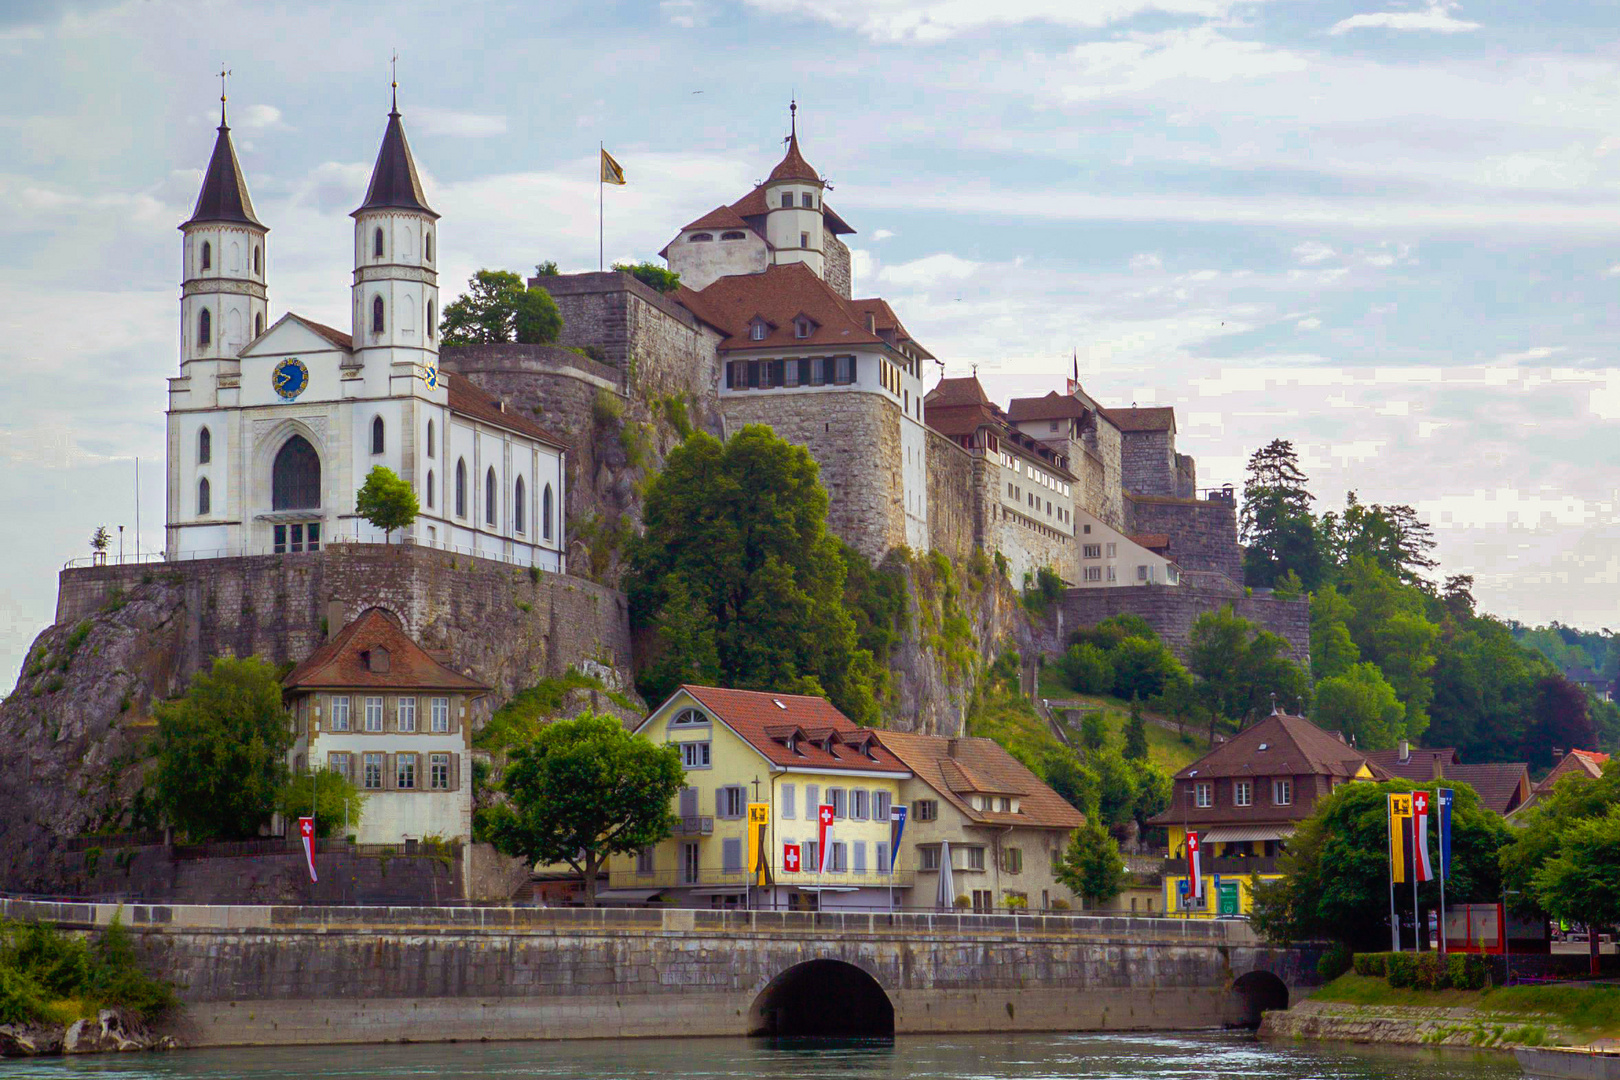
394, 183
224, 195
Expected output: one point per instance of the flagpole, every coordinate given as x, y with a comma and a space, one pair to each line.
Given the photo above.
601, 229
1444, 821
1394, 923
1417, 920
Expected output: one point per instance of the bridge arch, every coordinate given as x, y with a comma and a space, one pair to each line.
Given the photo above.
822, 997
1256, 993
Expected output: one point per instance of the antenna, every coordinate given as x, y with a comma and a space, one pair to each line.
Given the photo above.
224, 73
395, 84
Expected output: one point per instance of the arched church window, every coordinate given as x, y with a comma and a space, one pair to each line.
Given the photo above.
545, 512
258, 324
430, 326
427, 246
205, 327
258, 260
377, 243
376, 314
207, 256
205, 446
461, 487
430, 489
518, 492
377, 443
430, 438
489, 496
202, 497
295, 477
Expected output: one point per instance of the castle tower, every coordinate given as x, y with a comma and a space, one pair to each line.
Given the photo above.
793, 220
396, 291
223, 303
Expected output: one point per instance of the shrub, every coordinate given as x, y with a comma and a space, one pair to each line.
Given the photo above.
1335, 962
963, 903
1401, 970
1371, 963
1088, 669
1433, 973
1060, 904
21, 998
1468, 971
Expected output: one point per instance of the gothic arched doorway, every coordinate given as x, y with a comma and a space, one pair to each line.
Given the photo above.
295, 477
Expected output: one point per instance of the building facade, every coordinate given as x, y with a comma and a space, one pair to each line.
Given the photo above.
375, 707
274, 426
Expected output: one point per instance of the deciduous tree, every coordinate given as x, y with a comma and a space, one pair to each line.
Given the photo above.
1092, 867
386, 501
498, 307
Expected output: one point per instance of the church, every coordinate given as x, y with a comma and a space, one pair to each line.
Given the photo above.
273, 425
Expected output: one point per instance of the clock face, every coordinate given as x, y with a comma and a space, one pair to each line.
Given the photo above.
290, 378
430, 376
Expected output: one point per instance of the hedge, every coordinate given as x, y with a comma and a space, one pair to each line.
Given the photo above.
1426, 971
1371, 963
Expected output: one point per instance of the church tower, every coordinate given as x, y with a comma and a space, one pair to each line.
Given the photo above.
793, 220
396, 290
223, 303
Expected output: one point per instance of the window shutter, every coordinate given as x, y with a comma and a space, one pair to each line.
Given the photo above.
390, 778
455, 772
853, 374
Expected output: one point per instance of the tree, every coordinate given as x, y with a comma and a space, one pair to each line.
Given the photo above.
498, 307
1142, 667
222, 751
1278, 528
1093, 732
547, 269
386, 501
1361, 705
1579, 884
738, 580
1388, 621
1136, 744
1393, 537
1560, 721
651, 275
1087, 669
1092, 867
100, 539
1153, 791
328, 795
1241, 672
1336, 867
582, 790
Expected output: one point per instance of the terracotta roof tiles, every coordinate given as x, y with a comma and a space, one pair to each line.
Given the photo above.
779, 296
1054, 406
342, 663
1134, 419
958, 767
763, 718
469, 400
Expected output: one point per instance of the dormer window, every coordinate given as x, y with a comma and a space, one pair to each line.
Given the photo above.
757, 330
803, 327
702, 237
734, 235
377, 660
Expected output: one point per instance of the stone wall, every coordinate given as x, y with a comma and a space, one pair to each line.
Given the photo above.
1203, 533
836, 271
344, 975
1104, 440
1171, 610
1186, 477
954, 503
1148, 462
855, 437
554, 385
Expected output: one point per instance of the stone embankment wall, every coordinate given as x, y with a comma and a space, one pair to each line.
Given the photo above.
260, 976
1203, 533
1171, 610
953, 498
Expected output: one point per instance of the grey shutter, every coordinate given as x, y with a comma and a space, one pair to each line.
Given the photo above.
731, 854
812, 801
455, 772
860, 856
689, 802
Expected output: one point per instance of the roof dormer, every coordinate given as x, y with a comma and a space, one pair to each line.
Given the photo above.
804, 326
759, 328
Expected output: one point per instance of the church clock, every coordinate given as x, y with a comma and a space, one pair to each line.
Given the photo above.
290, 377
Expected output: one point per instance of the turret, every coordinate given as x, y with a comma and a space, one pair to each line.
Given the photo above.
223, 303
793, 221
396, 291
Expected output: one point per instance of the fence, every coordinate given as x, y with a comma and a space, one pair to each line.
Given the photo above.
148, 558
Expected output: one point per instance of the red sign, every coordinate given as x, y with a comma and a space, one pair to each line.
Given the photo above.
306, 831
790, 858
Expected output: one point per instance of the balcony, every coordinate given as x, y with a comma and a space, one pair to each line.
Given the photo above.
708, 877
1234, 865
693, 826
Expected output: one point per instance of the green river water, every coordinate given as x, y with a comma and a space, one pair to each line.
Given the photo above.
960, 1057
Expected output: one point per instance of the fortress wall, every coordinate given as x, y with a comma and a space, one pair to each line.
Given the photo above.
954, 501
1148, 463
1203, 533
837, 272
1171, 611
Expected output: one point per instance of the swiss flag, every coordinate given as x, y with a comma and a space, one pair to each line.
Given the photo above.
1195, 866
1420, 836
790, 858
825, 818
306, 832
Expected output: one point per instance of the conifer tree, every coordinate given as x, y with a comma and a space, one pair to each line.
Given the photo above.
1277, 524
1136, 747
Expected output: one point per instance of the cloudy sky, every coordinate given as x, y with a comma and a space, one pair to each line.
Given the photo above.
1386, 230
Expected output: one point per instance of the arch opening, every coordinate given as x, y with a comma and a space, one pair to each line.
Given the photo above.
1256, 993
295, 476
825, 998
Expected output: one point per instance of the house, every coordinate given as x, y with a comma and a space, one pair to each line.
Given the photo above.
376, 707
1244, 799
1591, 682
790, 754
1502, 786
1588, 763
1006, 830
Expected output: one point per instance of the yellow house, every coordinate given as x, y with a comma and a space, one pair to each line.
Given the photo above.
1244, 799
791, 755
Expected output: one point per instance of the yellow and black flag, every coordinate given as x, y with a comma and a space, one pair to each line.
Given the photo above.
612, 171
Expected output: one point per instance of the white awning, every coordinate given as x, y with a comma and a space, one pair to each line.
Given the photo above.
1234, 834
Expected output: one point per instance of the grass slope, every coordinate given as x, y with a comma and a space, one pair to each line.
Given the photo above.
1588, 1010
1166, 749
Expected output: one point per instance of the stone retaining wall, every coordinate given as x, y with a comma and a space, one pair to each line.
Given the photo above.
1171, 611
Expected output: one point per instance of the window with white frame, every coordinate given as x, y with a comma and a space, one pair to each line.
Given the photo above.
439, 772
405, 771
694, 755
1203, 794
374, 714
690, 718
1282, 792
1242, 793
407, 714
1113, 550
838, 857
927, 809
440, 715
859, 804
1093, 573
374, 771
729, 802
340, 713
974, 858
880, 806
1092, 551
835, 799
929, 857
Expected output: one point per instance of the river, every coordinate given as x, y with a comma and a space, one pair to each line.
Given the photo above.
960, 1057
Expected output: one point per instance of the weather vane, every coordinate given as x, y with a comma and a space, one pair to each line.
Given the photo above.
224, 73
394, 85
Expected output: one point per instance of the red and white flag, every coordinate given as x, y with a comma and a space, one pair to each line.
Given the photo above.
790, 858
306, 830
1195, 866
824, 818
1420, 835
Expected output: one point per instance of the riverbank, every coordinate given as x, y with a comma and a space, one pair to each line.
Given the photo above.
1366, 1009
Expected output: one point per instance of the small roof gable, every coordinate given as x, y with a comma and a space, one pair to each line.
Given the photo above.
721, 217
468, 400
341, 663
1054, 406
224, 195
292, 333
957, 768
832, 741
965, 390
394, 183
1501, 785
1586, 762
1134, 419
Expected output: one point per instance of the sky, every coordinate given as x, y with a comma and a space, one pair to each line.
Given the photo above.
1386, 231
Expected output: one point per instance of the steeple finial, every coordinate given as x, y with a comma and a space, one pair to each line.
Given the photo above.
793, 116
394, 109
224, 73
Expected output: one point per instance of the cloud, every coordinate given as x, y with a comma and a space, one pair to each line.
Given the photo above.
1136, 62
929, 270
935, 20
1310, 323
1146, 261
1312, 252
686, 14
455, 124
1436, 17
1539, 352
882, 234
257, 117
1613, 271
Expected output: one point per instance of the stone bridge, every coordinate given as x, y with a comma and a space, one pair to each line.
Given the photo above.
276, 975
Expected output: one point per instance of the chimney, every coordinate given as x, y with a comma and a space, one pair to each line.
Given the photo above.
871, 323
1405, 752
334, 617
1439, 767
950, 747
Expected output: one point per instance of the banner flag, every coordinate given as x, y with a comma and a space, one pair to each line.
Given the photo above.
824, 819
897, 829
1445, 797
306, 830
1421, 867
790, 858
759, 848
1400, 808
612, 171
1195, 866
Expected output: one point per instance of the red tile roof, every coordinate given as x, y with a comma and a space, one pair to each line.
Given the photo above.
341, 663
762, 719
1587, 762
1134, 419
779, 295
1501, 786
957, 768
1159, 542
470, 401
1293, 747
1054, 406
335, 336
965, 390
1419, 763
793, 166
721, 217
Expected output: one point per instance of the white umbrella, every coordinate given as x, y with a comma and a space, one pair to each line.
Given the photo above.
947, 887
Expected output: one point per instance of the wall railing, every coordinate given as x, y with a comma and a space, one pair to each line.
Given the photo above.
146, 558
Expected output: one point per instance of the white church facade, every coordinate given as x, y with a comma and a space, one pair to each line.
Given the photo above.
274, 426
